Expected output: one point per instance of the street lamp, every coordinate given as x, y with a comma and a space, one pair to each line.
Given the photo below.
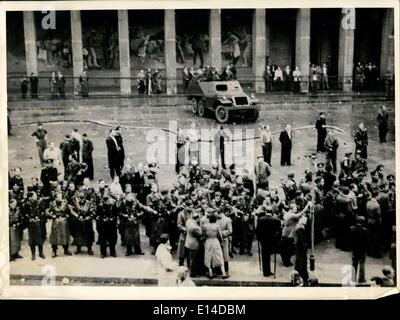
312, 212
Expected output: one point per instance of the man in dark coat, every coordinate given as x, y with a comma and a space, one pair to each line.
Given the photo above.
383, 126
87, 150
361, 140
300, 245
219, 141
359, 244
320, 125
48, 177
24, 86
120, 141
107, 225
286, 146
344, 219
268, 233
139, 181
66, 151
34, 81
115, 154
374, 218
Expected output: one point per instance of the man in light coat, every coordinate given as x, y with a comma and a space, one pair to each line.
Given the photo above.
225, 227
165, 263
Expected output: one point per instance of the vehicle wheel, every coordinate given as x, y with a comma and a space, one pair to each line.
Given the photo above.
193, 106
222, 114
201, 109
254, 116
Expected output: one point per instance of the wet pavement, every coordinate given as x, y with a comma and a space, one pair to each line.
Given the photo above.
141, 122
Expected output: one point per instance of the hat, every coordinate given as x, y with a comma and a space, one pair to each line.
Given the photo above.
320, 165
390, 177
347, 153
67, 136
84, 134
268, 209
39, 124
215, 166
48, 161
358, 151
291, 175
232, 166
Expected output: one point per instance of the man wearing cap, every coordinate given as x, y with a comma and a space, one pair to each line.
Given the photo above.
286, 146
320, 125
359, 244
87, 150
331, 145
361, 140
183, 216
262, 171
192, 243
48, 177
107, 225
268, 234
40, 136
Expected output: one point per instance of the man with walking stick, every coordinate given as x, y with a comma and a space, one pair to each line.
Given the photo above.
268, 231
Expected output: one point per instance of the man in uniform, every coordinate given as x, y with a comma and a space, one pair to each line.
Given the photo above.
107, 225
48, 177
192, 243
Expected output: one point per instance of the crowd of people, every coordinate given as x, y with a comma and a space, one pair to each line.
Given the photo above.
209, 214
57, 83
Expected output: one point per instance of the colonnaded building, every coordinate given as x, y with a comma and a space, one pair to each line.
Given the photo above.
124, 42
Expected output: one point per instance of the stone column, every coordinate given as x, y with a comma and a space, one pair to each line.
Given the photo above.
259, 40
346, 49
30, 43
303, 23
387, 44
76, 39
170, 50
215, 38
124, 53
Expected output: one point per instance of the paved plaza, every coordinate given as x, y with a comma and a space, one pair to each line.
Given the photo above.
136, 122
